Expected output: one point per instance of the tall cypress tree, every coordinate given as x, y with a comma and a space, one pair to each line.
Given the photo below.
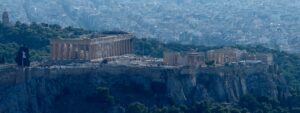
22, 58
2, 60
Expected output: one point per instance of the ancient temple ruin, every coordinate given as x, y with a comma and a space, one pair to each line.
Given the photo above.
194, 59
219, 57
91, 47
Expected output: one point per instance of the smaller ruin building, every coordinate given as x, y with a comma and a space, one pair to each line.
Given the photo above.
219, 57
91, 47
171, 58
225, 55
265, 58
195, 59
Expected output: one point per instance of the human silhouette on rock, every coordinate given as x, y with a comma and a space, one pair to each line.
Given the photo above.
22, 58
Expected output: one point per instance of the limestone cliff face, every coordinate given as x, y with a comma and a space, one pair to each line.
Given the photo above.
67, 90
230, 83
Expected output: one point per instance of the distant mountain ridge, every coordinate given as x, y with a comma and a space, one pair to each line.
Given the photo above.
271, 23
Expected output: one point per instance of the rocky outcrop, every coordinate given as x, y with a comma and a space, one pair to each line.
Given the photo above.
67, 89
231, 83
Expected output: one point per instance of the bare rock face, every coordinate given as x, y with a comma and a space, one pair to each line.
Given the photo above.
67, 90
229, 84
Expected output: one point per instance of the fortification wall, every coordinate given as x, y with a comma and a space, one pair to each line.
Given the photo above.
11, 76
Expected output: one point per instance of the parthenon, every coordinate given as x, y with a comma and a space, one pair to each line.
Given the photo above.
91, 47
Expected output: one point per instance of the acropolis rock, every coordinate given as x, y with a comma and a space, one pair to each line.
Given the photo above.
65, 88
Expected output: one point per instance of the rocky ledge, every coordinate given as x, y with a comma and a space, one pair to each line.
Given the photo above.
67, 89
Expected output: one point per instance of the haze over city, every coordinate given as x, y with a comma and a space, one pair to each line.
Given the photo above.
272, 23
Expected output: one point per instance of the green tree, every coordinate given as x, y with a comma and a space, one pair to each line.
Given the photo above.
174, 109
104, 96
156, 109
249, 102
210, 63
137, 107
234, 110
200, 107
2, 60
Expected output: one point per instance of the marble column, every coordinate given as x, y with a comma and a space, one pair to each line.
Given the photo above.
110, 50
127, 50
53, 51
116, 48
113, 48
130, 46
64, 49
58, 51
67, 51
122, 47
105, 49
119, 48
86, 52
101, 50
76, 51
73, 53
127, 46
70, 51
91, 51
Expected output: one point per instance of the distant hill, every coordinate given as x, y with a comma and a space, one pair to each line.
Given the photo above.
273, 23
